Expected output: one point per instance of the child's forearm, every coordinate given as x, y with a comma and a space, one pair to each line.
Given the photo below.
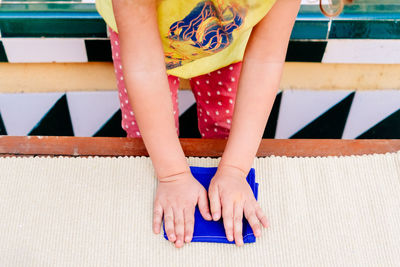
145, 76
153, 109
254, 101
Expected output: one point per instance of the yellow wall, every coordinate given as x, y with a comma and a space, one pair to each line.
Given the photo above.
60, 77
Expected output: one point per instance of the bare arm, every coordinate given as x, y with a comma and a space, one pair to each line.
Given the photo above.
258, 84
142, 58
259, 81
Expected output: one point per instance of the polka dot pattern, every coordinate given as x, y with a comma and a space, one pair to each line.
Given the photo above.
215, 94
128, 122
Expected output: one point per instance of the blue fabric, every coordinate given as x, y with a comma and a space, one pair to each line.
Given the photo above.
211, 231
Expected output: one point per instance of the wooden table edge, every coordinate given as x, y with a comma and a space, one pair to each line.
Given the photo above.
193, 147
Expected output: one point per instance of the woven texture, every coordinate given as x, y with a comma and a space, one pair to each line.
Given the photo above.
331, 211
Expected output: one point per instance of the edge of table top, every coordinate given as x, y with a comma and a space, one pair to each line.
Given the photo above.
196, 147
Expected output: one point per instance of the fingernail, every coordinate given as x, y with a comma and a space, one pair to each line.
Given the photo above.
187, 239
258, 232
178, 243
172, 237
209, 217
230, 238
215, 216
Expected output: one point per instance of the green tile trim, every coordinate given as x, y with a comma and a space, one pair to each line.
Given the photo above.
48, 18
52, 27
365, 29
51, 7
309, 30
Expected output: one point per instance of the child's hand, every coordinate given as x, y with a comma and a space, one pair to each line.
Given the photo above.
176, 198
230, 189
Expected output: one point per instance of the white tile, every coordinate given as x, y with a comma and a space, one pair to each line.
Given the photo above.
369, 108
90, 110
22, 111
45, 49
362, 51
185, 100
310, 2
300, 107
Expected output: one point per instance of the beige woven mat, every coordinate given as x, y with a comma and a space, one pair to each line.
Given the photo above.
97, 212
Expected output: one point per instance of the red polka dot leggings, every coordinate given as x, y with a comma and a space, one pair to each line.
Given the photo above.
215, 94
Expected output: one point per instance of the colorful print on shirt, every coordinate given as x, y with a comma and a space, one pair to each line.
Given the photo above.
207, 29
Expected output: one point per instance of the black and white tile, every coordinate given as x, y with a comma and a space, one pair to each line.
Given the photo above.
44, 50
2, 127
38, 50
91, 110
57, 120
301, 114
344, 114
21, 112
370, 112
363, 51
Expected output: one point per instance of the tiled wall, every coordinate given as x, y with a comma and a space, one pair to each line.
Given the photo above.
295, 114
366, 32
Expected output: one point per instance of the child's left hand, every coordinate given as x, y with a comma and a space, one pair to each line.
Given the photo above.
230, 191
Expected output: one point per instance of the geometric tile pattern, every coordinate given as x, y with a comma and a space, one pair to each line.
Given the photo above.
46, 50
2, 127
35, 50
21, 112
300, 108
90, 110
337, 115
370, 108
270, 128
328, 125
57, 120
387, 128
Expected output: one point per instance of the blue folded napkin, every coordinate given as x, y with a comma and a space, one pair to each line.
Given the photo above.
211, 231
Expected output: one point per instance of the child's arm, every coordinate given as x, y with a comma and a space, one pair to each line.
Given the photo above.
142, 57
258, 84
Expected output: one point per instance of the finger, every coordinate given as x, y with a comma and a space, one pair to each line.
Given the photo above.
203, 205
215, 203
238, 223
250, 214
169, 224
227, 214
261, 216
157, 217
189, 223
179, 227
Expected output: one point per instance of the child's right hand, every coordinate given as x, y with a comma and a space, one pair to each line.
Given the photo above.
176, 198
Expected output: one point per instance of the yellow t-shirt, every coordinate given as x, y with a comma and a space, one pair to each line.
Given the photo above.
200, 36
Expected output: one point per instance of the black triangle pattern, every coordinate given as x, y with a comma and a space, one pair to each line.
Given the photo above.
2, 127
113, 127
3, 55
388, 128
270, 129
57, 121
188, 123
305, 51
329, 125
98, 50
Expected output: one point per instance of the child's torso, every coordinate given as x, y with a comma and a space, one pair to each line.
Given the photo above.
200, 36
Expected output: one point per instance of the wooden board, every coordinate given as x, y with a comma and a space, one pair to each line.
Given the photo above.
121, 146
